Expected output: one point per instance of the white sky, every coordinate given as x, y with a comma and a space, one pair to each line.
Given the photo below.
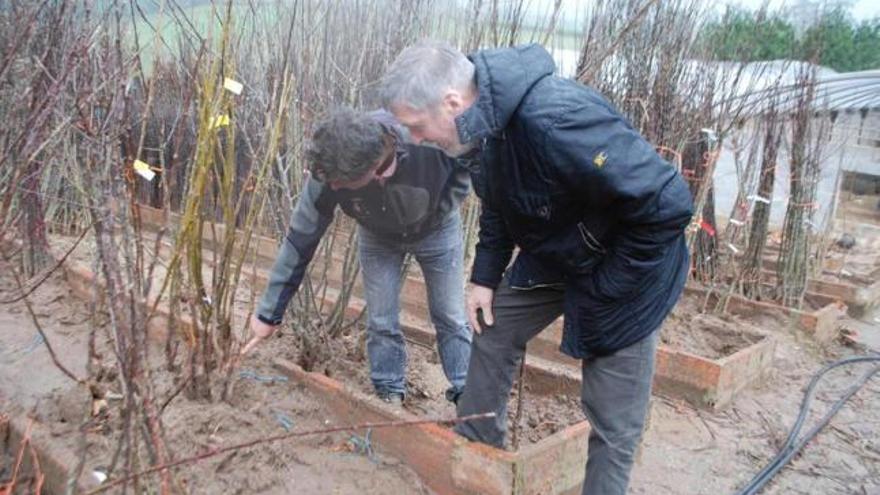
861, 9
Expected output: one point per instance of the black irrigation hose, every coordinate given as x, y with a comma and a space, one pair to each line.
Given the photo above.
790, 448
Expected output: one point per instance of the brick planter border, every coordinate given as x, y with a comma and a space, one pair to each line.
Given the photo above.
56, 461
450, 464
447, 463
820, 324
704, 382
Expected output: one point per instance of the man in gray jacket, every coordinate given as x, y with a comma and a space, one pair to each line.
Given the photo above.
405, 199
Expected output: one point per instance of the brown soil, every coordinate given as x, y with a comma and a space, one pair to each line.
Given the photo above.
426, 383
685, 451
860, 263
294, 466
848, 278
810, 302
254, 411
689, 451
543, 415
856, 267
706, 335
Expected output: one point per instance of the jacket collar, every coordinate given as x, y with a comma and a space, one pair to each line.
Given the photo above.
503, 77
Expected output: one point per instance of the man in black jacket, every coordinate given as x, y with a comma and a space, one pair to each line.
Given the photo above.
405, 199
599, 219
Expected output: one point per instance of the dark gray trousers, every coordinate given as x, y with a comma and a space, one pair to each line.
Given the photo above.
615, 390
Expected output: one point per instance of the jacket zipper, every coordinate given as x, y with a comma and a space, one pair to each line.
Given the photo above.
538, 286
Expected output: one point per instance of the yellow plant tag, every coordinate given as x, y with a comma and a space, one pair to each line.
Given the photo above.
233, 86
144, 170
220, 121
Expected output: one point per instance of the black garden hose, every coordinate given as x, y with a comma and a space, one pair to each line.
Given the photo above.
792, 446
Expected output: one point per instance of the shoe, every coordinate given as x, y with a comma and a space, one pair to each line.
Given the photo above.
393, 398
453, 394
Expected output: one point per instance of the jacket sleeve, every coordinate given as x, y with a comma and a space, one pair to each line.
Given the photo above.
605, 161
457, 187
493, 251
311, 217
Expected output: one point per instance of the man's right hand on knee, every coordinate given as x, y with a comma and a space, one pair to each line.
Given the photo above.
479, 300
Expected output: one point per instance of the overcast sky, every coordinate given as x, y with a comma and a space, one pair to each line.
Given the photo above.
861, 9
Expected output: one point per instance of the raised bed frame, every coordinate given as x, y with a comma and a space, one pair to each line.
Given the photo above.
446, 462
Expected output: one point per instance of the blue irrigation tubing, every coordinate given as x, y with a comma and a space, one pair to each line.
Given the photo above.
30, 347
252, 375
363, 445
36, 342
284, 420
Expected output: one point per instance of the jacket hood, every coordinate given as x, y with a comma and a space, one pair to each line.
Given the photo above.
503, 78
389, 122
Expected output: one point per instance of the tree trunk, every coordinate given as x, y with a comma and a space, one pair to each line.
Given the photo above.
33, 224
695, 165
753, 260
795, 248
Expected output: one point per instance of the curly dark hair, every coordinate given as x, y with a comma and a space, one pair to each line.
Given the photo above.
345, 144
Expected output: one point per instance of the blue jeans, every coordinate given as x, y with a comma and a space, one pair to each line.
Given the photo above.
441, 258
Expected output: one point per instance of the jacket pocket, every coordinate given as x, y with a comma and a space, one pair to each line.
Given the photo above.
529, 220
590, 240
584, 322
533, 207
590, 324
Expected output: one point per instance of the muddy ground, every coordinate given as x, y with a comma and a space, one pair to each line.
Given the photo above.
30, 383
708, 335
685, 450
542, 414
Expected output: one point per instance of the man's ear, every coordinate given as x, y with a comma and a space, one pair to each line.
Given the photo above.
453, 102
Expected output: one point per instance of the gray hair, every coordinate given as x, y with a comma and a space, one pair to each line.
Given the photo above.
422, 73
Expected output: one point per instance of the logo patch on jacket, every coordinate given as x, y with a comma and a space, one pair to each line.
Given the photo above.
599, 159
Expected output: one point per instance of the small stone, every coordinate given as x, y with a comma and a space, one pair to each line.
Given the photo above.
846, 241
